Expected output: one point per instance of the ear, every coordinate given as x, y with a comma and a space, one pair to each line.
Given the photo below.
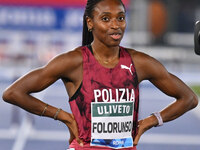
89, 23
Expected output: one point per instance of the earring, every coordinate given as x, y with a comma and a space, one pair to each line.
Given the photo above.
89, 30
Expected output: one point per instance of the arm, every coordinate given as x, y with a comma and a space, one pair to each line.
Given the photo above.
150, 69
63, 66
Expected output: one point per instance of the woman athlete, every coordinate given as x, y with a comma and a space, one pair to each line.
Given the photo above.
102, 80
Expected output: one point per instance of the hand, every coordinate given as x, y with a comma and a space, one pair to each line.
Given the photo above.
143, 126
73, 129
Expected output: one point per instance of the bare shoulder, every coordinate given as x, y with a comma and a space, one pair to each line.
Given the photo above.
66, 62
147, 67
73, 57
140, 58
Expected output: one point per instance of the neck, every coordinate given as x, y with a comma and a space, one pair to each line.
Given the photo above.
105, 52
106, 55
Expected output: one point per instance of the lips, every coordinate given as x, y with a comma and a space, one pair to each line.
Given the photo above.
116, 36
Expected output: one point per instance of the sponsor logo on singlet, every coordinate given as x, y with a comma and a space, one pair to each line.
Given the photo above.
127, 68
112, 118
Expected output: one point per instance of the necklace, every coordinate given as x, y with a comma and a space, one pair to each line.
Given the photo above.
104, 61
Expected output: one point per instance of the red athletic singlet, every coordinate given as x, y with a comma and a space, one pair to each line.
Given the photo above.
106, 104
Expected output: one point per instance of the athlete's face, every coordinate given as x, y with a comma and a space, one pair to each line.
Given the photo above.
108, 23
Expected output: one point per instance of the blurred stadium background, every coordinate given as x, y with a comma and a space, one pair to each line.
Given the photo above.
34, 31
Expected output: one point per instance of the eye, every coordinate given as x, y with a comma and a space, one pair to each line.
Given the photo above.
106, 19
121, 18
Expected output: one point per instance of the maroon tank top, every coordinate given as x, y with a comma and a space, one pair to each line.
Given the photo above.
103, 86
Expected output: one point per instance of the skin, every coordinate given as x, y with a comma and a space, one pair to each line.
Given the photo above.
108, 18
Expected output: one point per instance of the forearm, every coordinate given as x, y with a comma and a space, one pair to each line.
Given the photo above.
173, 111
34, 105
178, 108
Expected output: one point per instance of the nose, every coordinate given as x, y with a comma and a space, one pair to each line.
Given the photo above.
114, 24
